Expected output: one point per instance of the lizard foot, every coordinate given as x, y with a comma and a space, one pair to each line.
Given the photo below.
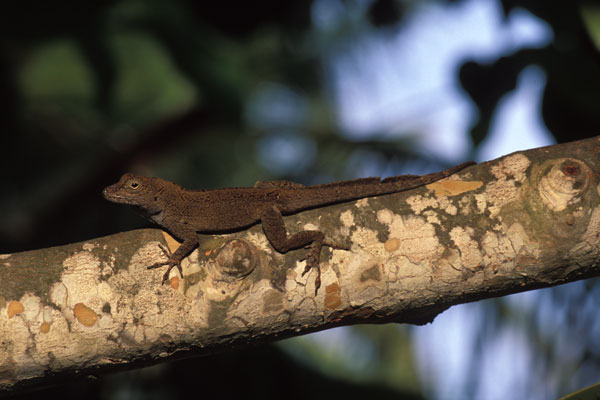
313, 259
170, 263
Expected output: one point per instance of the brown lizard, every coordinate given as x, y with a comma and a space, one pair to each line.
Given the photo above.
184, 213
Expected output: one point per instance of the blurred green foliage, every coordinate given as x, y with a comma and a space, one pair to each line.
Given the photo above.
364, 354
209, 94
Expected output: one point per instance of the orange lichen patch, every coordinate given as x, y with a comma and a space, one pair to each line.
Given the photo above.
171, 242
449, 187
45, 327
207, 253
14, 308
174, 282
332, 296
391, 244
85, 315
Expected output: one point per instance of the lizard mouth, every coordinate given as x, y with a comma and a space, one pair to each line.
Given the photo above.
110, 196
116, 197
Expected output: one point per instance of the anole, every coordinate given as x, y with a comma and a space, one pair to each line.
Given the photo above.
184, 213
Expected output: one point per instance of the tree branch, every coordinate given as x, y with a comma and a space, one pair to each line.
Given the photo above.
527, 220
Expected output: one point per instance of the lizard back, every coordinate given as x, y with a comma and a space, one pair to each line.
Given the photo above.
300, 198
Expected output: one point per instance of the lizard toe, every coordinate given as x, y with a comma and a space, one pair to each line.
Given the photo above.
171, 265
318, 281
157, 265
336, 246
165, 278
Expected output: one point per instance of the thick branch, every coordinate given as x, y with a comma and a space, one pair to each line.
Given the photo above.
524, 221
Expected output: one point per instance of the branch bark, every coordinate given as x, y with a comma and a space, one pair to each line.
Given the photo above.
524, 221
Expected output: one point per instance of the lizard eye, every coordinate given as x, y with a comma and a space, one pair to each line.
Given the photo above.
134, 185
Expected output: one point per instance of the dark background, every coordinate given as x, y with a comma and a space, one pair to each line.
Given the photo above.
166, 88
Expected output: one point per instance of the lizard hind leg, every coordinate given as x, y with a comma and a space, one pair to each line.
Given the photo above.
274, 228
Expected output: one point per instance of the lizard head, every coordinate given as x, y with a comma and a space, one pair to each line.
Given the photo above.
138, 191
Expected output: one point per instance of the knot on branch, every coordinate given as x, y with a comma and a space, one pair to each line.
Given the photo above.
235, 259
564, 184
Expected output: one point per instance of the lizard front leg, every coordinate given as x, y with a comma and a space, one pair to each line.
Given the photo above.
174, 260
274, 228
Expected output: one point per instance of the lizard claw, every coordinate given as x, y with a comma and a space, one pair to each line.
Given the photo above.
317, 268
313, 260
170, 262
336, 246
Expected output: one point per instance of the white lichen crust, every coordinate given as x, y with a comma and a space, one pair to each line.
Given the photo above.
479, 232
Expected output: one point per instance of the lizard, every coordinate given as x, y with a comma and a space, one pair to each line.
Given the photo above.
184, 213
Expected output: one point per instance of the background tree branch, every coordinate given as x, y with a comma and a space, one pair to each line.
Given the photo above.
521, 222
